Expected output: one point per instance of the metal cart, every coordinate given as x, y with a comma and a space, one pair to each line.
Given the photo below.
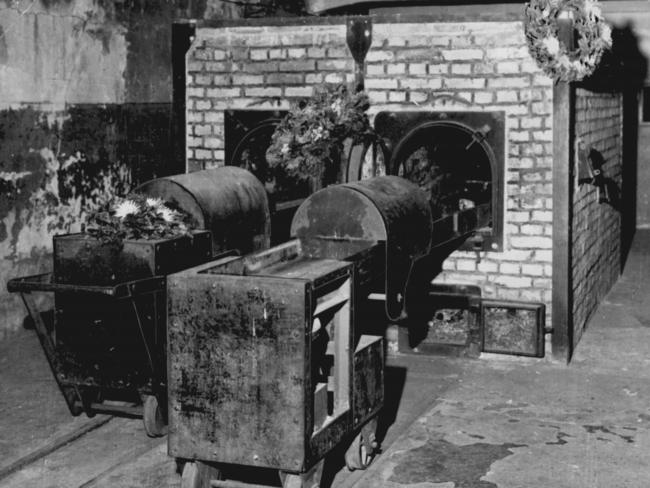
270, 365
266, 369
94, 351
106, 341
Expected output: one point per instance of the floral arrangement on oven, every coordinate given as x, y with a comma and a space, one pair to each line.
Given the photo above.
308, 142
137, 217
543, 24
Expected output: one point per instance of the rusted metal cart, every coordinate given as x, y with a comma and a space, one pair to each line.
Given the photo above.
270, 363
92, 352
106, 340
266, 369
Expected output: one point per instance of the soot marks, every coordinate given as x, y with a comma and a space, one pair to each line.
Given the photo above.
592, 429
474, 436
440, 461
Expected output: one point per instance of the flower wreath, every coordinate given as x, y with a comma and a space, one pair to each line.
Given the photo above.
593, 36
305, 142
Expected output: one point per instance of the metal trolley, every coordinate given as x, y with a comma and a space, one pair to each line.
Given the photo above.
271, 364
94, 351
106, 339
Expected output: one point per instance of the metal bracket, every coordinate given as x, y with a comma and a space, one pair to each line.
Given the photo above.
359, 39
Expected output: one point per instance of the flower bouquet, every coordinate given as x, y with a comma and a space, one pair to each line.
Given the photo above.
308, 142
132, 238
137, 217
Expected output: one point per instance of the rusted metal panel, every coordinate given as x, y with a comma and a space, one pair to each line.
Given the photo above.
228, 201
368, 258
368, 378
111, 344
237, 368
107, 340
327, 439
245, 358
385, 208
83, 260
104, 341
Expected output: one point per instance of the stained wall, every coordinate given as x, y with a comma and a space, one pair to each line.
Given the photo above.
85, 114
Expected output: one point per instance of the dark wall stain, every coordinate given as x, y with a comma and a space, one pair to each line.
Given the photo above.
21, 131
94, 142
4, 54
148, 74
107, 137
439, 461
38, 71
475, 436
103, 34
48, 4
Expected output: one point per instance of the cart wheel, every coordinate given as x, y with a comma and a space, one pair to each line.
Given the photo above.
153, 418
87, 397
362, 450
197, 474
73, 401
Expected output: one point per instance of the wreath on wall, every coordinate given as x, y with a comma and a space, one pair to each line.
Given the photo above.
591, 33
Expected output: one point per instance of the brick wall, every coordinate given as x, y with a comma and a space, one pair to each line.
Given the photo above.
481, 66
264, 67
410, 66
596, 227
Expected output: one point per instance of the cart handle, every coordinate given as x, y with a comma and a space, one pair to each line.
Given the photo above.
45, 282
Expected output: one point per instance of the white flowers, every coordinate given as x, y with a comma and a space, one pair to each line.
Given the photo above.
552, 45
13, 176
564, 61
154, 202
167, 214
130, 207
126, 207
592, 10
546, 18
606, 34
337, 107
318, 133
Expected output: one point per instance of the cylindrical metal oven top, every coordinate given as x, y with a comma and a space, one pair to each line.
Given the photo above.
384, 208
228, 201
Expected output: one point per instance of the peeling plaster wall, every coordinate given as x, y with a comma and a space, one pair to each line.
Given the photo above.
69, 52
85, 111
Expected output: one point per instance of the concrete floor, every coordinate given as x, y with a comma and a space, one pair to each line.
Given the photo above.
493, 422
535, 424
